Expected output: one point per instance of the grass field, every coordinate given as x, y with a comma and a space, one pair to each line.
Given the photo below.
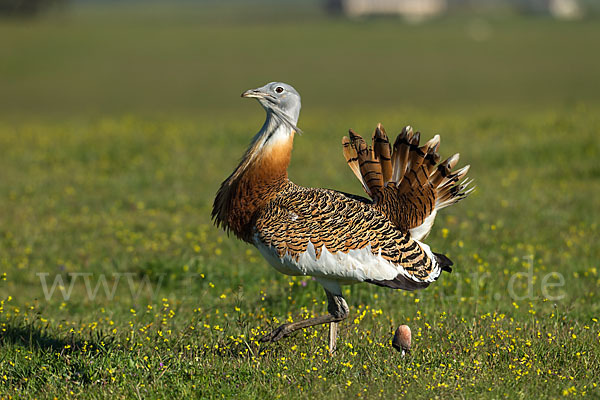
114, 283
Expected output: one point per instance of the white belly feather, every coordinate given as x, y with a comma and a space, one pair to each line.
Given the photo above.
351, 267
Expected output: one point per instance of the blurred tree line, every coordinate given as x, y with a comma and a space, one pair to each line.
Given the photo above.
28, 7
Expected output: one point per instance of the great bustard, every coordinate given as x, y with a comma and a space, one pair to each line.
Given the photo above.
339, 238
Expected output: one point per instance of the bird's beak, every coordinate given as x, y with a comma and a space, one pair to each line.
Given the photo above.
254, 93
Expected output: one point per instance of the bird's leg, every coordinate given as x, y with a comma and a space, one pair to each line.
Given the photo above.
338, 310
333, 331
336, 306
286, 329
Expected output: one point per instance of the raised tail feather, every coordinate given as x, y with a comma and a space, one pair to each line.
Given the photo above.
406, 182
364, 163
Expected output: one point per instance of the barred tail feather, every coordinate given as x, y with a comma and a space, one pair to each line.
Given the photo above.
351, 156
400, 154
409, 185
432, 157
383, 152
368, 164
443, 170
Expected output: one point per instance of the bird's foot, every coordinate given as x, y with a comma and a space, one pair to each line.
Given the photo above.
277, 334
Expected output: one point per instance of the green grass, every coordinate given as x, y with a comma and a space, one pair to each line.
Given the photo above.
109, 169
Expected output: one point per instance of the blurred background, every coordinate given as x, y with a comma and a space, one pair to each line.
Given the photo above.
67, 57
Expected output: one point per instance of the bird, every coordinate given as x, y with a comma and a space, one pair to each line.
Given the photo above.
339, 238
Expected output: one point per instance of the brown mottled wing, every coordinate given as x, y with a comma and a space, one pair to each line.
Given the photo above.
339, 223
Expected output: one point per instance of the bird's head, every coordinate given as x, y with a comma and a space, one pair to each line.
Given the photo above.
280, 99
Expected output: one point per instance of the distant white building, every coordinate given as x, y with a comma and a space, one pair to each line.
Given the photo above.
411, 9
560, 9
565, 9
418, 10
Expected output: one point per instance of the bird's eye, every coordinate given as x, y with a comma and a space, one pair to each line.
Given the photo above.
279, 89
